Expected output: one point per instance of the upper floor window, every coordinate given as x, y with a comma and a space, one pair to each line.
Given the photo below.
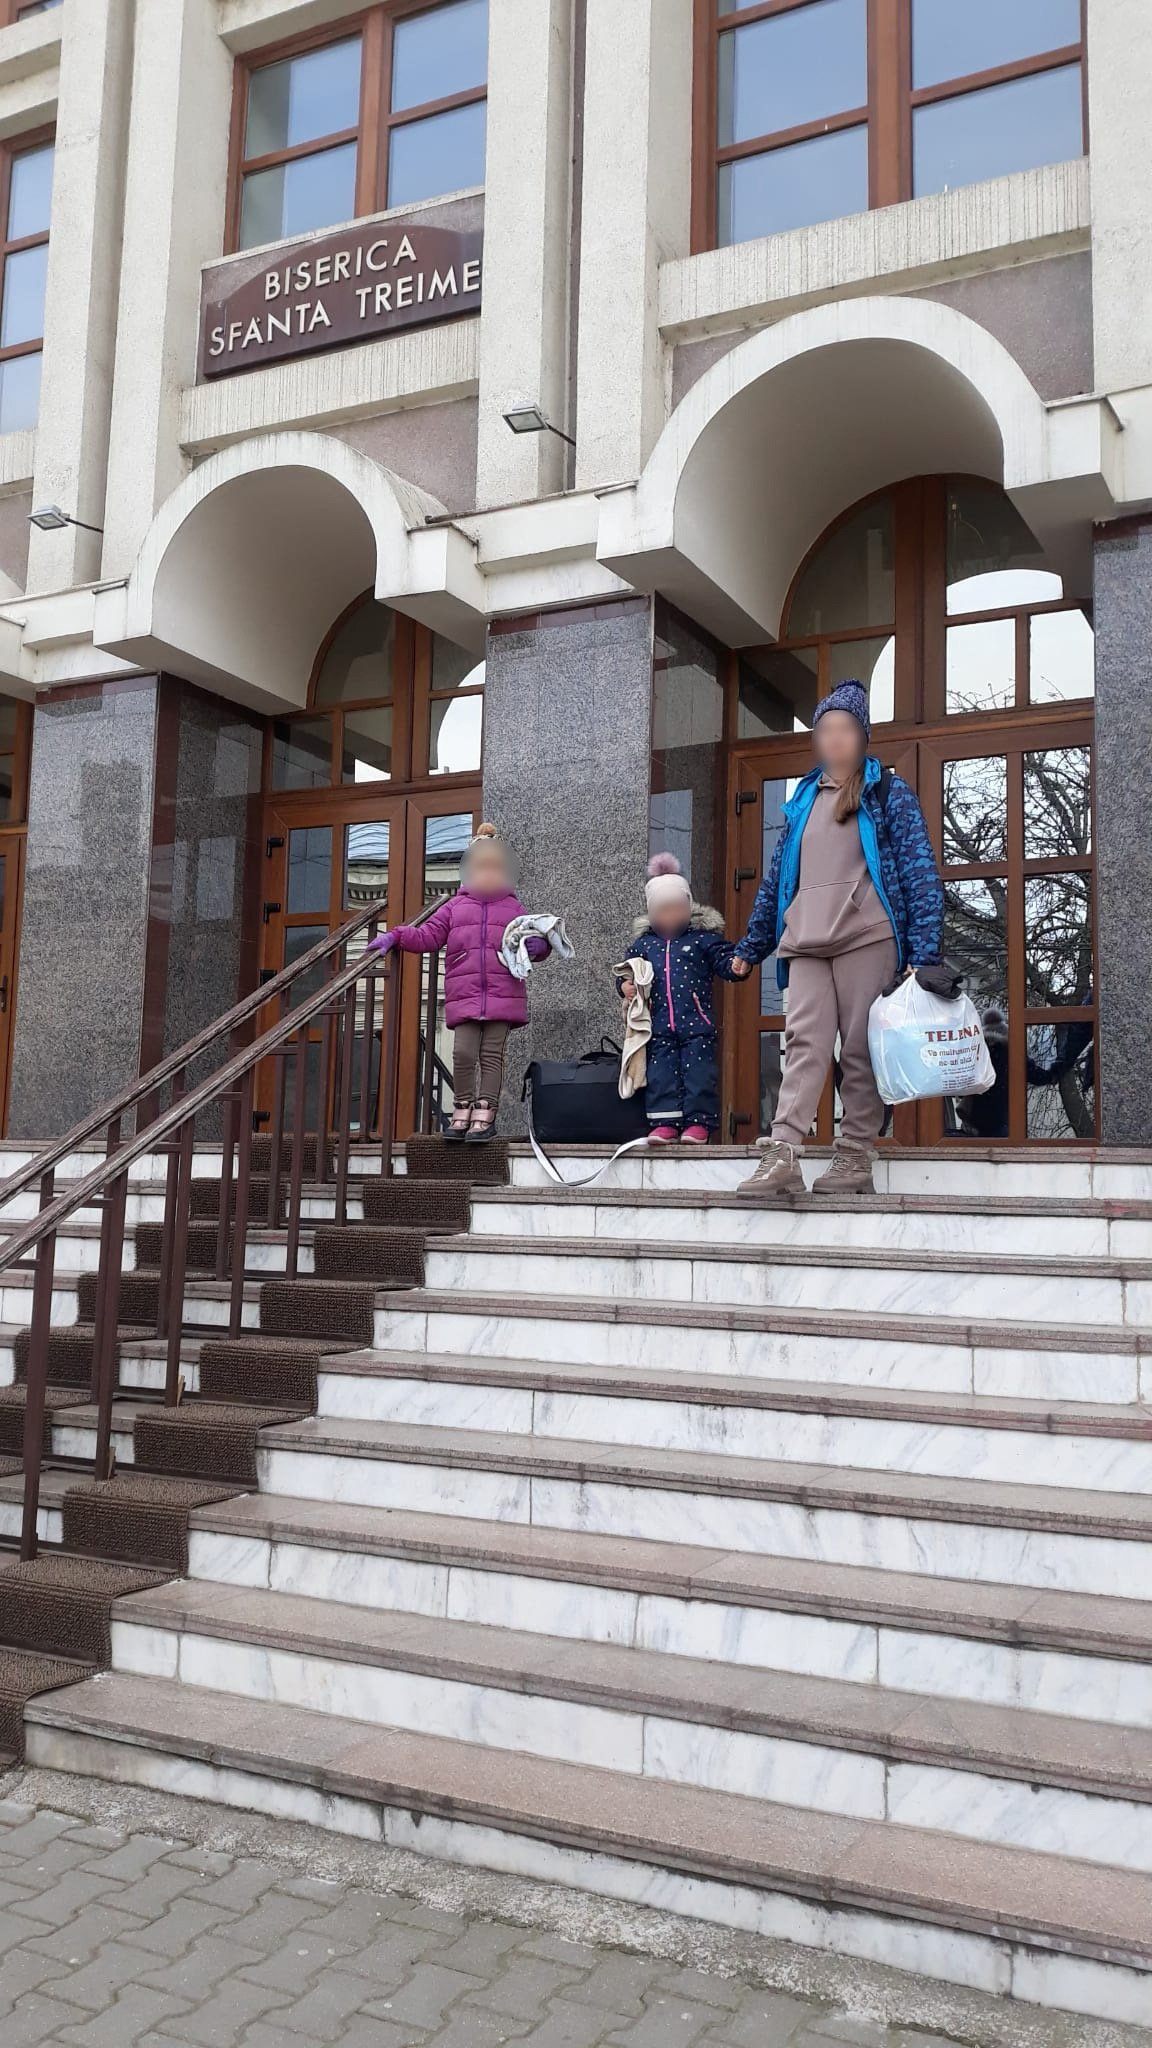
25, 208
380, 114
820, 108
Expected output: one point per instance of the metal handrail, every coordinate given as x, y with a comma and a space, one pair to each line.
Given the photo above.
166, 1069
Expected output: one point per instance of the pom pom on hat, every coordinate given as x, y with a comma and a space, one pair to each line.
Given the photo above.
666, 884
663, 864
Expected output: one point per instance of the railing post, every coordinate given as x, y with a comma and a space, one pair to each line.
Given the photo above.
389, 1063
276, 1147
224, 1220
430, 1041
344, 1101
105, 1339
296, 1178
174, 1314
240, 1225
35, 1403
169, 1223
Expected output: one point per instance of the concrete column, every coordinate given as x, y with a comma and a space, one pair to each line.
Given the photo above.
567, 740
1119, 68
173, 223
527, 253
635, 214
1123, 759
83, 279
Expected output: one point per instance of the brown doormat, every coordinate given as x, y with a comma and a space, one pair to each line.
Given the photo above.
140, 1517
366, 1251
432, 1158
200, 1256
211, 1440
318, 1309
412, 1204
205, 1198
262, 1156
22, 1676
12, 1404
260, 1370
139, 1298
61, 1606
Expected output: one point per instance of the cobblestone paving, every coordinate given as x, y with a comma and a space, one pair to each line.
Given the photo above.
135, 1941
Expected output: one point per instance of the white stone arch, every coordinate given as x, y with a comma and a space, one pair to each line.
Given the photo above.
257, 551
810, 415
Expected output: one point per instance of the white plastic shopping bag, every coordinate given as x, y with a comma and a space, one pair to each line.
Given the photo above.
922, 1045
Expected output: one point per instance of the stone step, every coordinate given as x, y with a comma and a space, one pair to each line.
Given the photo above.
1060, 1653
828, 1277
1086, 1229
942, 1354
1046, 1537
1046, 1443
1043, 1929
1055, 1173
993, 1774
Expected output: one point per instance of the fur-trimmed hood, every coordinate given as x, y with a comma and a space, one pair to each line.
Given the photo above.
703, 918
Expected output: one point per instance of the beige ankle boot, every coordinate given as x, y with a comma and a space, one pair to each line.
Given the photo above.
849, 1174
778, 1177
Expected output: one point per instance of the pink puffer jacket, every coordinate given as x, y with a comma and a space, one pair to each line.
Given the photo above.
477, 985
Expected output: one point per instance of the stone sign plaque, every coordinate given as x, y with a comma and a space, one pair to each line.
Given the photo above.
366, 280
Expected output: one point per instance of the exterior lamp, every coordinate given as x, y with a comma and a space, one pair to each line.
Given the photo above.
529, 419
50, 519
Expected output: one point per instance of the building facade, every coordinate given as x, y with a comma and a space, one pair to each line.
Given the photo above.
825, 330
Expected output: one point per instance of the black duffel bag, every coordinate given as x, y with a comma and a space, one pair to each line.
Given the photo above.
578, 1102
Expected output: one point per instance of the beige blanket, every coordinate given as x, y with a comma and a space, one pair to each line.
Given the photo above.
637, 1025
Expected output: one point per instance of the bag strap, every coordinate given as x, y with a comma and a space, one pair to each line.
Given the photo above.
553, 1171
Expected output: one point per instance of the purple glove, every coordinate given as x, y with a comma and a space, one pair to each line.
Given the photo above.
382, 943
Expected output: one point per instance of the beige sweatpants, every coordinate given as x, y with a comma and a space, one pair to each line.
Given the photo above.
826, 997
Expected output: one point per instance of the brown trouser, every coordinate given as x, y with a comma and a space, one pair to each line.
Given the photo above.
478, 1051
826, 997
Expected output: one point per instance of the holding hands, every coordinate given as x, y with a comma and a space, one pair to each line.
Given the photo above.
741, 968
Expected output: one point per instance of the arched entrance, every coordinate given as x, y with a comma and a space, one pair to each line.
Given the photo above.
371, 793
979, 666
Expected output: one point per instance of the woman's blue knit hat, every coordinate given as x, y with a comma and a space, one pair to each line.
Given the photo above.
851, 697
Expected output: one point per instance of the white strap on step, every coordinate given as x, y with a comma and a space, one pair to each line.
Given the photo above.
553, 1171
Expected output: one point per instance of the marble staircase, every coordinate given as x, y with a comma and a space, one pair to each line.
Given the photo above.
784, 1567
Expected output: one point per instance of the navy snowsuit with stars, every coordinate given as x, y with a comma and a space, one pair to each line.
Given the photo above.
683, 1085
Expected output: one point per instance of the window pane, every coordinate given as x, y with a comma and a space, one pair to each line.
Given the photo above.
773, 797
301, 753
454, 738
303, 98
298, 940
1057, 939
975, 811
792, 68
771, 1074
670, 825
850, 580
1058, 803
439, 53
7, 725
982, 666
5, 812
30, 197
992, 558
687, 747
1013, 127
1061, 1081
291, 199
19, 393
25, 275
309, 868
366, 849
871, 662
976, 939
951, 40
358, 663
794, 187
453, 668
368, 745
777, 691
443, 154
1063, 658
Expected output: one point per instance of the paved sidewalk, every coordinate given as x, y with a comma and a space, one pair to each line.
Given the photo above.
133, 1941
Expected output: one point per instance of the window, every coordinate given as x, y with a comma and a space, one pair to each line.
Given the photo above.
382, 115
24, 7
813, 109
390, 702
26, 202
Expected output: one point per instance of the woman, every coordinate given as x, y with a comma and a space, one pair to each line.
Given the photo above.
853, 898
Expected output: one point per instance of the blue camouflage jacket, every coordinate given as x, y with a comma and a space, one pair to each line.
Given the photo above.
684, 970
899, 857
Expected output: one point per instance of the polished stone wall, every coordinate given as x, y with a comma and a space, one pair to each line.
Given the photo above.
1124, 854
567, 725
83, 942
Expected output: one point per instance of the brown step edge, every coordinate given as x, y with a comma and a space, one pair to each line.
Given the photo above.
882, 1259
1126, 1516
1100, 1759
1128, 1420
1016, 1616
1008, 1895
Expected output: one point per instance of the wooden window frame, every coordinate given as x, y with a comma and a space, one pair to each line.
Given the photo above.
887, 115
376, 120
12, 11
16, 146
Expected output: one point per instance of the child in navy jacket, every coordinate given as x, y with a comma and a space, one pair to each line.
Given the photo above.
683, 942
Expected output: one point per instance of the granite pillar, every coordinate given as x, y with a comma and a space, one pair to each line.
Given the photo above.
83, 942
1123, 618
567, 746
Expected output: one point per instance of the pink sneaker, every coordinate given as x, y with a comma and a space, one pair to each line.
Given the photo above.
696, 1134
664, 1134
